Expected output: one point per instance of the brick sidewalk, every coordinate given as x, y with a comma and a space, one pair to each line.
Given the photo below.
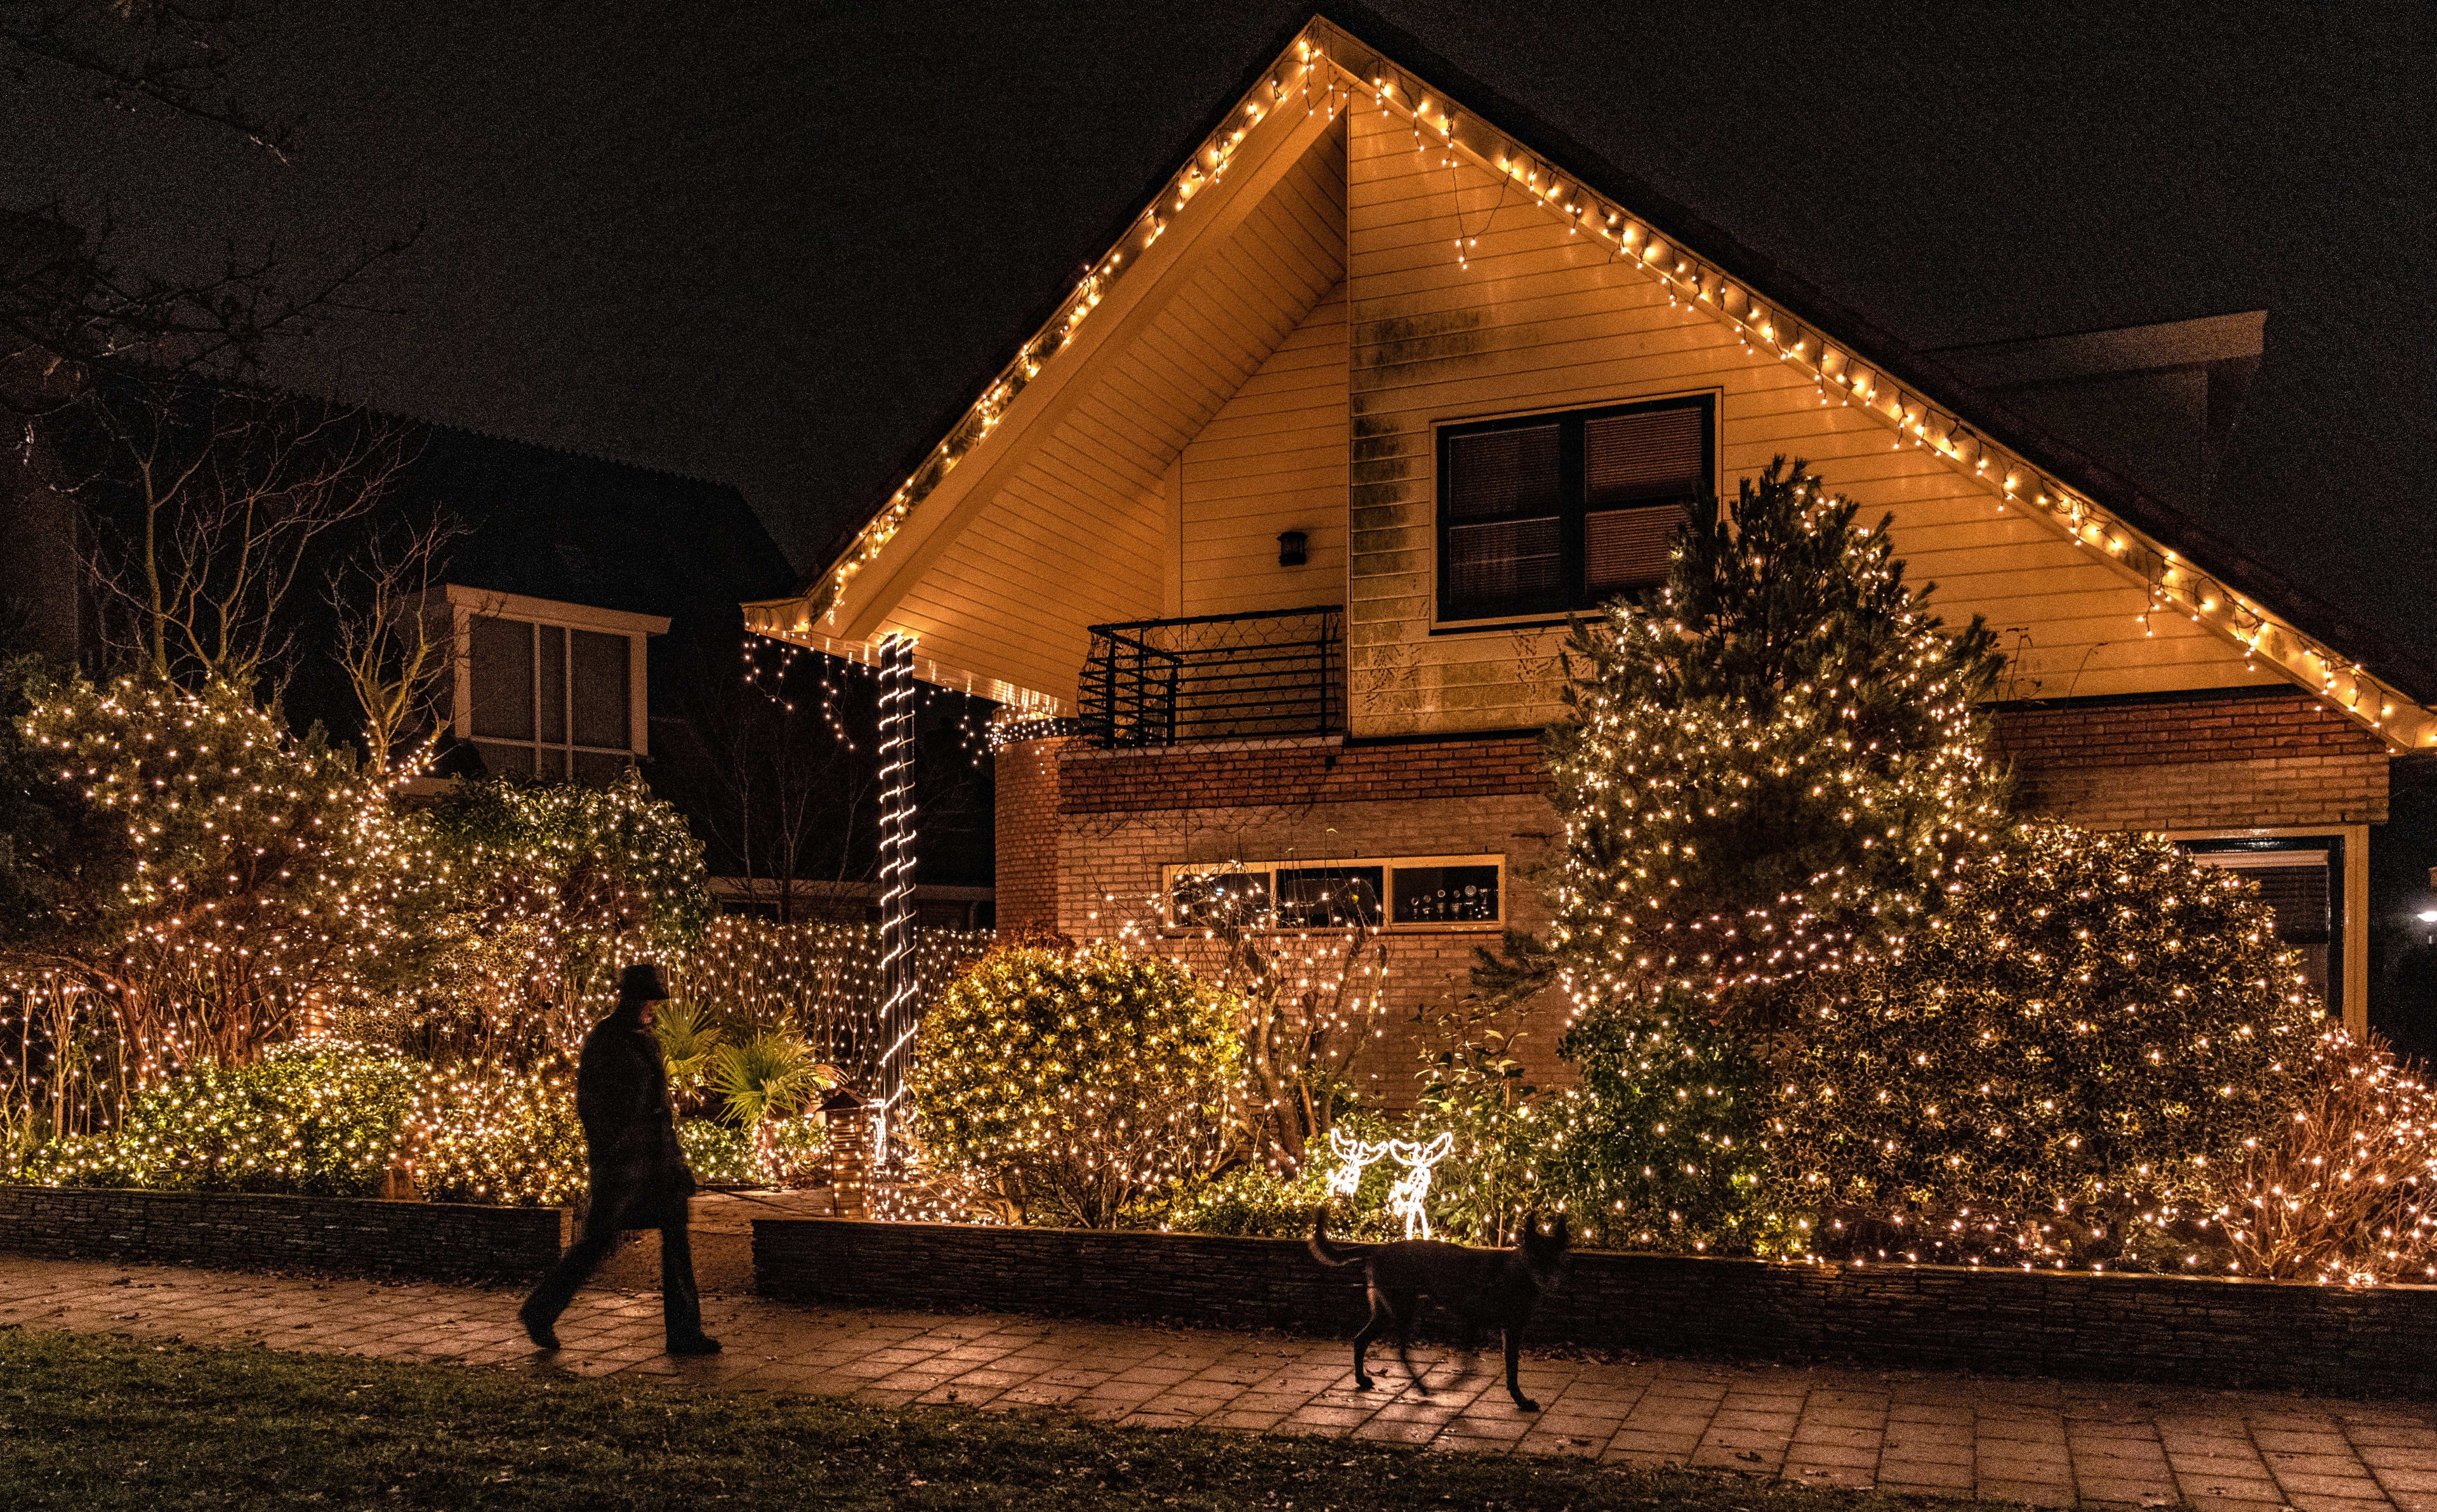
2050, 1443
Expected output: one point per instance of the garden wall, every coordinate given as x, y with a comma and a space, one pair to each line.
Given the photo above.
240, 1230
1930, 1317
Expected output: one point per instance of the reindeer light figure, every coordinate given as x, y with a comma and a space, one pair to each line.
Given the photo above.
1406, 1198
1353, 1157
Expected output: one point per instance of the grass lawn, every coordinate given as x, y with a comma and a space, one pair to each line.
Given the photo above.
93, 1422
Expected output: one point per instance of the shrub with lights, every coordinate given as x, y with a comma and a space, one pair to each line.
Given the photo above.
535, 896
319, 1119
2059, 1068
2339, 1194
1774, 766
1657, 1147
1076, 1084
222, 873
501, 1135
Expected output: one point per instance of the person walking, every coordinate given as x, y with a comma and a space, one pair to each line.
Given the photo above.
638, 1174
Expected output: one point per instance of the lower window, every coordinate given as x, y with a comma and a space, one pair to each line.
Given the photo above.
1390, 893
2302, 880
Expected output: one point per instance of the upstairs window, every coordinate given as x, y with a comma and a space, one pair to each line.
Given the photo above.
552, 701
1544, 515
546, 689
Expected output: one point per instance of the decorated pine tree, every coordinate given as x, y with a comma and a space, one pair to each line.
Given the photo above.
1773, 766
1770, 773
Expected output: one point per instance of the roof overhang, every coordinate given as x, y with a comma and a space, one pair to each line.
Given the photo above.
1919, 402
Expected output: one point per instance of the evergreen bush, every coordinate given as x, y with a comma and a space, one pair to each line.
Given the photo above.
1076, 1084
2057, 1068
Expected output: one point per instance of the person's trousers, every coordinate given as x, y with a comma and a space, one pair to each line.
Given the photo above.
681, 1304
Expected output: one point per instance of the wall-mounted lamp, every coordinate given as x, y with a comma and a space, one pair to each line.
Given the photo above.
1290, 549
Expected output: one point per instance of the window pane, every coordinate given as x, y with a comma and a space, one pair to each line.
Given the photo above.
2297, 886
1319, 897
1511, 569
599, 769
1503, 472
504, 678
1446, 895
600, 668
1652, 454
505, 760
1627, 548
552, 675
1210, 898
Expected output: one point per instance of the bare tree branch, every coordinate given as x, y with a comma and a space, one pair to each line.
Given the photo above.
204, 505
394, 642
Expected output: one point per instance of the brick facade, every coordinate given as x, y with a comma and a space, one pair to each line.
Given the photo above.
1025, 819
2275, 759
1226, 776
1083, 833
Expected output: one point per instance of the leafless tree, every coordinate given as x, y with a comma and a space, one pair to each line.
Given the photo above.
206, 505
396, 645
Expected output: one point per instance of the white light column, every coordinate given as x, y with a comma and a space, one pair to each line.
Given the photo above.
898, 832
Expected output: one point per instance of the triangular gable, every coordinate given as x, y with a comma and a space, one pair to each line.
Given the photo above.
2178, 567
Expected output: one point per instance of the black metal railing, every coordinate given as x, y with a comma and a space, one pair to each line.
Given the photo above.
1271, 674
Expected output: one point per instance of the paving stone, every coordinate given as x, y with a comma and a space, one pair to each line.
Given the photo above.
1915, 1432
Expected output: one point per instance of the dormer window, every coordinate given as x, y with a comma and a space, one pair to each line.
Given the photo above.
549, 690
1543, 515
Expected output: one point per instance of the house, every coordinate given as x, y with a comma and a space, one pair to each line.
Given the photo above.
1265, 537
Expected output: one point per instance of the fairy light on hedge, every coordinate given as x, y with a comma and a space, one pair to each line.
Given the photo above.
1076, 1082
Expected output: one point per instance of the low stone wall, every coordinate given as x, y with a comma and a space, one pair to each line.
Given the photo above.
2226, 1332
241, 1230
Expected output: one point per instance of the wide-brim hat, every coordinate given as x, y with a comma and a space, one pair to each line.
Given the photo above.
642, 983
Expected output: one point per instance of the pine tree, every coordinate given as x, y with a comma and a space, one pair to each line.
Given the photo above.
1771, 770
1774, 765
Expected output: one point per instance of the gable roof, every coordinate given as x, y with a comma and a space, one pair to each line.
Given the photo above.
1922, 398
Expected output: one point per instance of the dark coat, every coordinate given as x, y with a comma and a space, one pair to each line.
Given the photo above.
639, 1178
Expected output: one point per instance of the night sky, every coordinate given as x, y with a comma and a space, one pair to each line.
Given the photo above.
776, 246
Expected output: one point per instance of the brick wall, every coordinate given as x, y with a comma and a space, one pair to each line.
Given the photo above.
1025, 814
240, 1230
2163, 1328
1228, 776
1083, 833
1109, 871
2281, 759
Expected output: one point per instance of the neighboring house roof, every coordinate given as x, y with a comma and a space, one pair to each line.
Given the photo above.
1931, 400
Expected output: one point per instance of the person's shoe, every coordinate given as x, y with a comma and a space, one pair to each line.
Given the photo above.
537, 1328
699, 1344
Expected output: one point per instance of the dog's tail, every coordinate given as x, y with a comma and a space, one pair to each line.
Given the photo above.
1327, 1253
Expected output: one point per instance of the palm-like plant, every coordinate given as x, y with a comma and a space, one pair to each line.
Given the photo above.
689, 1039
770, 1076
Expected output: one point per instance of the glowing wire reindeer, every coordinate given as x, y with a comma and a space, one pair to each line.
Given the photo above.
1406, 1198
1353, 1157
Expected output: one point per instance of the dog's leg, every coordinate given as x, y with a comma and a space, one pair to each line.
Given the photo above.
1514, 1361
1405, 1304
1372, 1328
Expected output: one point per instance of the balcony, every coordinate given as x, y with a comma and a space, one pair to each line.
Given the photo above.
1270, 674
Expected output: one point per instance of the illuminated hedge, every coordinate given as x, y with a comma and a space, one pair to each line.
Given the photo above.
2056, 1070
319, 1119
508, 1137
1076, 1084
1662, 1145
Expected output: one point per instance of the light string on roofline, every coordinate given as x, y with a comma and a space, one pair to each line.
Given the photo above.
2170, 583
1316, 67
1204, 168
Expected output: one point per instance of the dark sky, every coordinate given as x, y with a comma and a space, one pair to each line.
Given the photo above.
772, 245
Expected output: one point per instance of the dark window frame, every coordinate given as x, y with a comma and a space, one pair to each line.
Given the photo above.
1700, 507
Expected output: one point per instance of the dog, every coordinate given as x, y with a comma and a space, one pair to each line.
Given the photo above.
1482, 1286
